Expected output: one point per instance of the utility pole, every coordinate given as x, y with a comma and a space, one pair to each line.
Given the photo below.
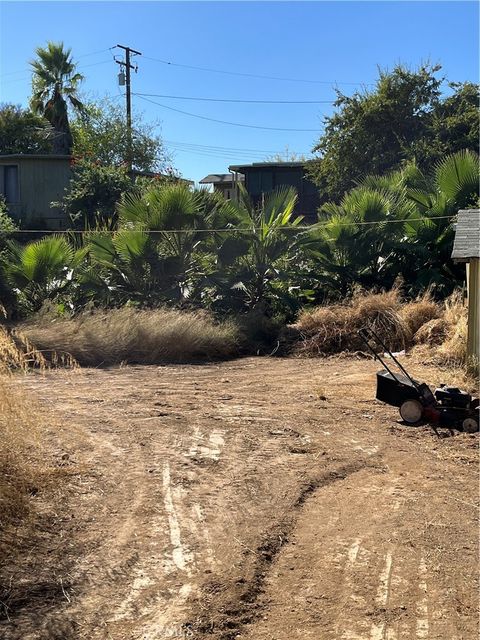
126, 64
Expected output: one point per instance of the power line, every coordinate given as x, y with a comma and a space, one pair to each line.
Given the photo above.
216, 154
251, 75
234, 124
228, 155
159, 95
311, 227
209, 146
84, 55
79, 68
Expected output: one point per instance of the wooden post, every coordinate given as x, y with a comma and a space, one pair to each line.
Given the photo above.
473, 340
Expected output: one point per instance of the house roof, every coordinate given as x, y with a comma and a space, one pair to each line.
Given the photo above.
158, 174
34, 156
259, 165
466, 244
217, 178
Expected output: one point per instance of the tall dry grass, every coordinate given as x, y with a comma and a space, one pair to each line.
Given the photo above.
138, 337
18, 443
334, 328
19, 426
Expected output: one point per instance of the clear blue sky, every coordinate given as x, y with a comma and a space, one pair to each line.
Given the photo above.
330, 42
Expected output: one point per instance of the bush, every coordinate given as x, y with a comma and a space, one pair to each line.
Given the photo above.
136, 336
332, 329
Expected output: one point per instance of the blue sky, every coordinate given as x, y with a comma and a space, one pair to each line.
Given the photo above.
325, 42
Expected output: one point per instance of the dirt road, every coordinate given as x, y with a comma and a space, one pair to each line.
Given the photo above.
262, 499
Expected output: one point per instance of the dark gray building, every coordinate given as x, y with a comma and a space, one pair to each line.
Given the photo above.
263, 177
30, 183
223, 183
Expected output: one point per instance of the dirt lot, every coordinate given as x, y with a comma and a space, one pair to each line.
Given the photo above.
262, 499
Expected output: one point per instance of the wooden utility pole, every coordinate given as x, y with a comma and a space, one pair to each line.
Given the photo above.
128, 66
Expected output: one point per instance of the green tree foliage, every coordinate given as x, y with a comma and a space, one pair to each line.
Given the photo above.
142, 261
7, 228
55, 86
403, 118
40, 270
412, 236
360, 240
173, 245
455, 124
254, 267
93, 192
22, 131
100, 135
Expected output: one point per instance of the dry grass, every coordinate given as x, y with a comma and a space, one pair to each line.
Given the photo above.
137, 337
18, 440
333, 329
16, 352
445, 341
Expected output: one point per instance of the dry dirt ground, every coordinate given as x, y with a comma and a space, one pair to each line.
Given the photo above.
261, 499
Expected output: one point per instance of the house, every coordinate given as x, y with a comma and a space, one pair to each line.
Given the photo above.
30, 183
262, 177
222, 183
466, 248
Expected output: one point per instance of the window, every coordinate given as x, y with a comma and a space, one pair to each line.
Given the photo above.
9, 183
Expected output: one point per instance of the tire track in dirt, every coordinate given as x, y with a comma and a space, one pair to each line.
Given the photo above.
218, 500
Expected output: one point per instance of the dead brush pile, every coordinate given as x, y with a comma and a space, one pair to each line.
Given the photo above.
334, 329
444, 340
138, 337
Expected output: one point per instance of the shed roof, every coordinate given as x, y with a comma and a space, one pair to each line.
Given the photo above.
466, 244
34, 156
217, 178
260, 165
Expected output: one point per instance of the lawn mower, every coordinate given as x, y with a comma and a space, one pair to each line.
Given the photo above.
445, 407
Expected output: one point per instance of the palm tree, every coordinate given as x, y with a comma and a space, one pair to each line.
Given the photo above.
254, 264
360, 240
40, 270
54, 81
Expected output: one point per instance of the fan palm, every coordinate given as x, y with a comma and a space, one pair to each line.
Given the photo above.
179, 218
360, 241
55, 85
41, 269
253, 264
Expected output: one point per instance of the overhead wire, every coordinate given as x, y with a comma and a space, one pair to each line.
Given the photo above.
311, 227
235, 100
84, 55
223, 148
251, 75
234, 124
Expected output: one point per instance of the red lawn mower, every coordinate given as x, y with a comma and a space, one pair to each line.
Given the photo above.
446, 407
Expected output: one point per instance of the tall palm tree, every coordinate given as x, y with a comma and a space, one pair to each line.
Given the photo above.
54, 85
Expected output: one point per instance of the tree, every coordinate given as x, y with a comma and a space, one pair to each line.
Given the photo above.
453, 185
54, 82
7, 228
360, 241
93, 192
397, 224
403, 118
22, 131
456, 121
40, 270
100, 135
253, 266
286, 156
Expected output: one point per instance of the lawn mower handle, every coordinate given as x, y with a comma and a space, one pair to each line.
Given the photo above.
367, 333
